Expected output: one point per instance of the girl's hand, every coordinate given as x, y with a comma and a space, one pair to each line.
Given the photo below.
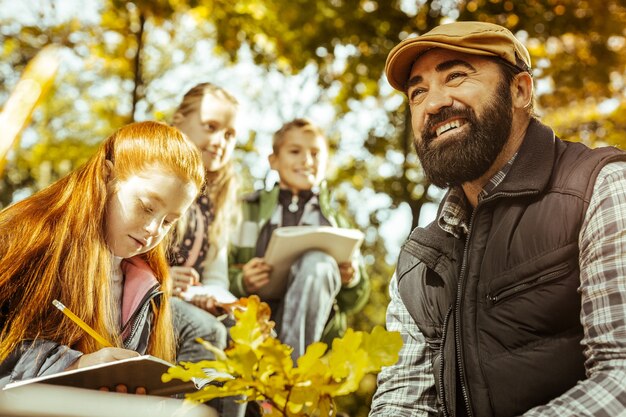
124, 389
104, 355
208, 303
182, 278
256, 274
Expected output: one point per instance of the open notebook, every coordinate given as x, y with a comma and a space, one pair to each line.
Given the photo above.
287, 244
139, 371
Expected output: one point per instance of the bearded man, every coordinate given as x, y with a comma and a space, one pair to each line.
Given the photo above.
513, 301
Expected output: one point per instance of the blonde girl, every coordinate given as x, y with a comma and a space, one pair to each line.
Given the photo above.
207, 115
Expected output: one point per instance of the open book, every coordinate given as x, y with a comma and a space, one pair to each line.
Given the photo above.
139, 371
287, 244
220, 294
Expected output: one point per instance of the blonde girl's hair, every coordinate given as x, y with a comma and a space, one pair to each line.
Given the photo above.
300, 123
52, 246
221, 187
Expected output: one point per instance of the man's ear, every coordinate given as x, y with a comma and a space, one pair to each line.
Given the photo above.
178, 118
522, 90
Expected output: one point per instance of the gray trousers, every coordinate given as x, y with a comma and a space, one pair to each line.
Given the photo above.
191, 322
302, 314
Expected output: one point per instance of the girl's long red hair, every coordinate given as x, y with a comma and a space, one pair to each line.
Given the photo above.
52, 246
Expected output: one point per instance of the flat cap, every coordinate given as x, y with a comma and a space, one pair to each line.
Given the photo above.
478, 38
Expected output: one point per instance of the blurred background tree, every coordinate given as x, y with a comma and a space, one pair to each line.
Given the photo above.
132, 60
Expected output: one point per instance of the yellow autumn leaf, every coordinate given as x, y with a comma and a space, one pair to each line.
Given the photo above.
242, 360
275, 357
185, 371
178, 372
354, 365
344, 349
213, 391
382, 347
247, 329
311, 357
303, 397
276, 386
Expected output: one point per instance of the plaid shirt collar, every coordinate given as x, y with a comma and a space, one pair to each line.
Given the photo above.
456, 210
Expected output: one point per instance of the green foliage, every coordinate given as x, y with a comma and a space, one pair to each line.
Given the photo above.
257, 366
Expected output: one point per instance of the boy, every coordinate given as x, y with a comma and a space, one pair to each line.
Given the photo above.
320, 292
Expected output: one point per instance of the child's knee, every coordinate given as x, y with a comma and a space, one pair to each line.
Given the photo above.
191, 322
319, 268
313, 258
211, 330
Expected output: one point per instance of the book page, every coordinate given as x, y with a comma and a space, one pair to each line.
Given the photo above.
287, 244
220, 294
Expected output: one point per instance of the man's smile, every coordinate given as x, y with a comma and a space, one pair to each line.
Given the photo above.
448, 125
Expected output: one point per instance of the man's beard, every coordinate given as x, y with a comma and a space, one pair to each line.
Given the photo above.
466, 157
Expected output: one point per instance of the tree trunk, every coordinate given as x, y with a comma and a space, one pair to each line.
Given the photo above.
137, 69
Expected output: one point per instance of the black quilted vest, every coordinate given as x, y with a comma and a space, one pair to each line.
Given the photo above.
501, 306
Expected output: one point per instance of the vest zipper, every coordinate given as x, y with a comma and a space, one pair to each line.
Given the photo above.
457, 321
460, 290
135, 323
511, 291
446, 413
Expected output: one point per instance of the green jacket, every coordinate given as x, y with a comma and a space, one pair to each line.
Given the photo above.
258, 207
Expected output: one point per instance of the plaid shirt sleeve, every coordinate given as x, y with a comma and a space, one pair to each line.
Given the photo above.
406, 389
602, 260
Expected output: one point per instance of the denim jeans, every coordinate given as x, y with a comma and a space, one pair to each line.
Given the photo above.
314, 282
191, 322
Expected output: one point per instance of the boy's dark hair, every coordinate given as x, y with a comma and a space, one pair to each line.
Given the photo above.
299, 123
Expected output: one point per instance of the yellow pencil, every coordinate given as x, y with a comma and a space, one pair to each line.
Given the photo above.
81, 323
